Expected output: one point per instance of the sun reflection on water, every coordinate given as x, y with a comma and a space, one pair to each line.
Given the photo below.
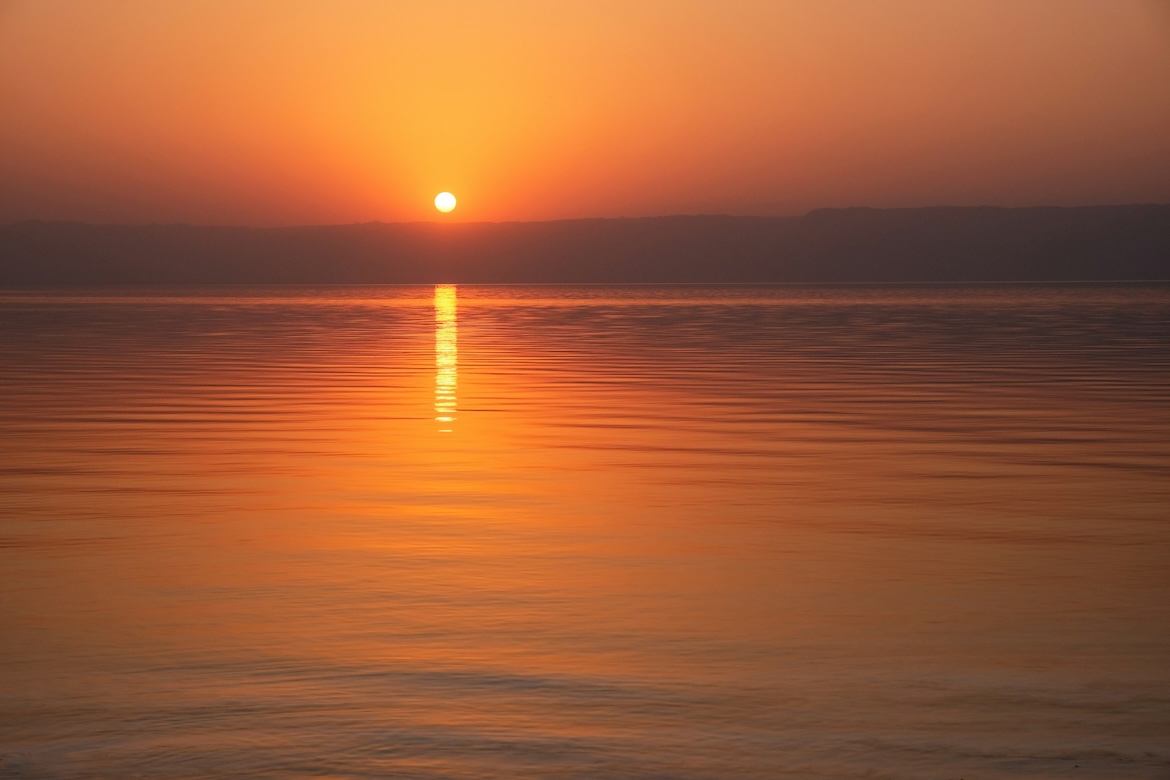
446, 356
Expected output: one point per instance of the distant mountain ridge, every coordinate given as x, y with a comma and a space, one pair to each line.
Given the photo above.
939, 244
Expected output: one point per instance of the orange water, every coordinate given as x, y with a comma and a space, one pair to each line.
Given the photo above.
586, 532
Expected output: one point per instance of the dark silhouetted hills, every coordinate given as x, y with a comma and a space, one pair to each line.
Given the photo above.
828, 245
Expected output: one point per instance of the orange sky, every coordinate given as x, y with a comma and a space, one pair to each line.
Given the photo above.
271, 112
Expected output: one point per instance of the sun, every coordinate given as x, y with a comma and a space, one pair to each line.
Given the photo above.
444, 202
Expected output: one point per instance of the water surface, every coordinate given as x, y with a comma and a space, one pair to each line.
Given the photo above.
579, 532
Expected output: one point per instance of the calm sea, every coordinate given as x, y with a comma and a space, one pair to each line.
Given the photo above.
696, 533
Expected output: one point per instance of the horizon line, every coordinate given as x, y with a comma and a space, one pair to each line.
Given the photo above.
440, 221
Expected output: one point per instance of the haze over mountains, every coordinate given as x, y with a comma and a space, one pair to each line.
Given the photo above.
829, 245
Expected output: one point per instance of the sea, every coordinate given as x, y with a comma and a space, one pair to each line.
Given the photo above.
566, 532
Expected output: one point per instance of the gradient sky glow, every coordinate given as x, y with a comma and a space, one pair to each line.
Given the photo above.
270, 112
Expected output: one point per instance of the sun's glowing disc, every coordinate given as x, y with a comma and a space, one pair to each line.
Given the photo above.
444, 202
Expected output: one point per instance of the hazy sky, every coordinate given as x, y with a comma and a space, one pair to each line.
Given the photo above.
293, 111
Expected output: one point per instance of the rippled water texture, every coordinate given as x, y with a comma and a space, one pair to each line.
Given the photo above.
586, 532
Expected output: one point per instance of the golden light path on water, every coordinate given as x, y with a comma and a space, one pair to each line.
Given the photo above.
446, 356
700, 532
